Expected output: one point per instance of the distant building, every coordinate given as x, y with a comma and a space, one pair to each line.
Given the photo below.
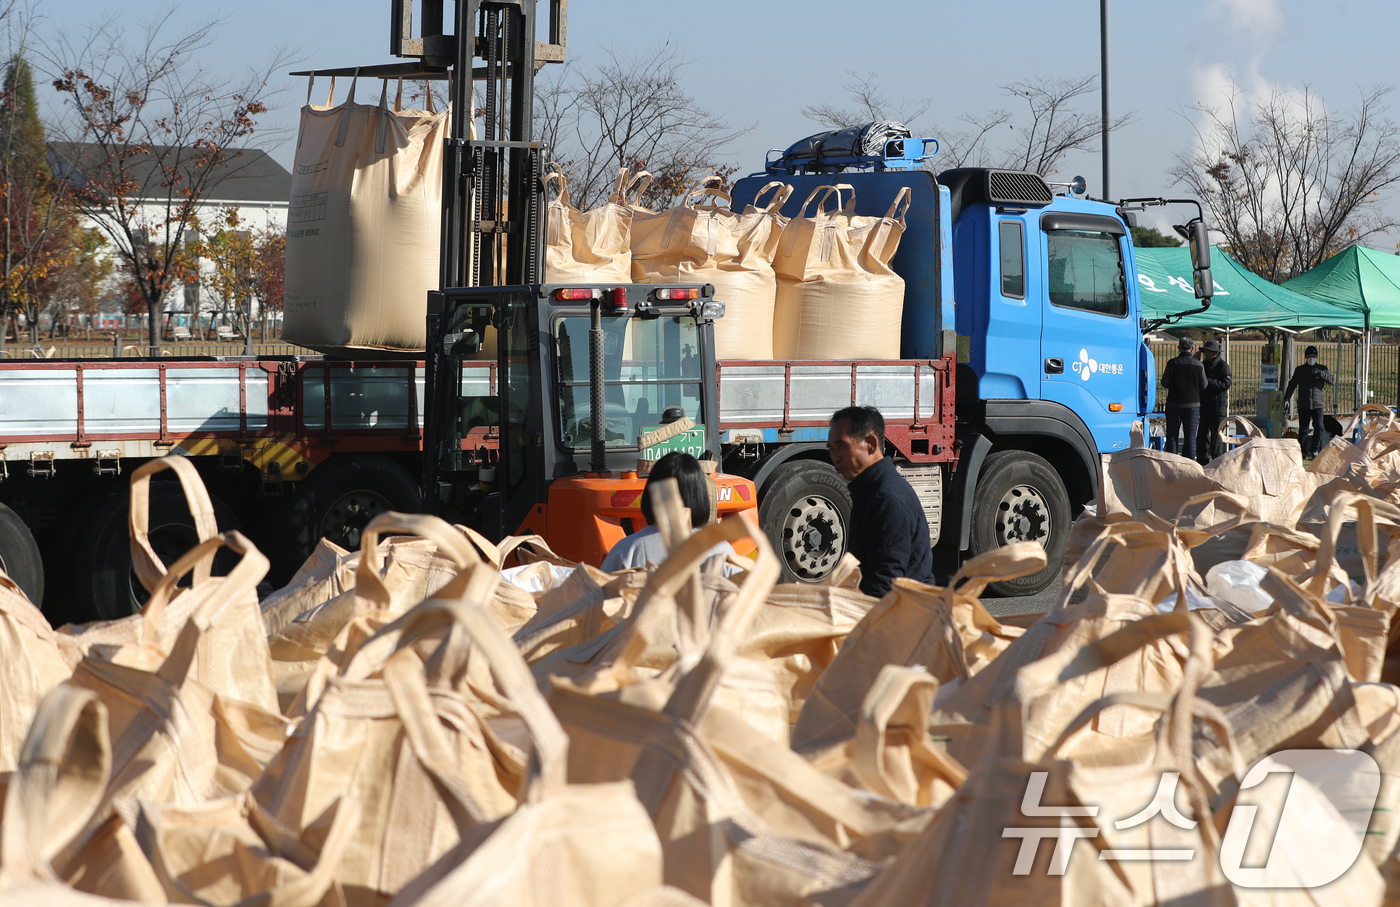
249, 180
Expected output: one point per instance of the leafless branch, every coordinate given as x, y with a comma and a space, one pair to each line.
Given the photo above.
870, 105
633, 112
1288, 184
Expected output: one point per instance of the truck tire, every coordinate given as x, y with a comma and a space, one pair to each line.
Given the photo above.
805, 510
104, 585
1021, 498
19, 555
335, 502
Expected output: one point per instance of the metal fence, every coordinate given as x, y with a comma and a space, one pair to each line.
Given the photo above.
1342, 358
108, 350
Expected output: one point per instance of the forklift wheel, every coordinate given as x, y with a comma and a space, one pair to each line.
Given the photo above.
19, 555
335, 502
1020, 498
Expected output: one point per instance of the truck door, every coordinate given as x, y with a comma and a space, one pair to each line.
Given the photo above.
1089, 339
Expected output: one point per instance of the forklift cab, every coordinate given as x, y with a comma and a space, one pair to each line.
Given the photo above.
509, 419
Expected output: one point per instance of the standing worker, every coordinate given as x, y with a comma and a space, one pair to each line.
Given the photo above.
1185, 379
1215, 402
889, 534
1310, 378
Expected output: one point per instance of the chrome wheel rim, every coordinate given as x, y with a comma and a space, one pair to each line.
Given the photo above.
1023, 515
813, 537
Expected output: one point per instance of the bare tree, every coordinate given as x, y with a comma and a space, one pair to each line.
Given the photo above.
870, 104
1051, 126
1288, 184
633, 112
148, 132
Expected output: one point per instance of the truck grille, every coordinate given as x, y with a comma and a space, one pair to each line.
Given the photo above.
1015, 187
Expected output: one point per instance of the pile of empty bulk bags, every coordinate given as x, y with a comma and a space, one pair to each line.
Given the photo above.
438, 719
363, 225
815, 286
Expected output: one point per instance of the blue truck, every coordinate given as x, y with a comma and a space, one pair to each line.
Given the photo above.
1022, 362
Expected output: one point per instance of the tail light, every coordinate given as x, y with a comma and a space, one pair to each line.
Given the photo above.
668, 293
577, 294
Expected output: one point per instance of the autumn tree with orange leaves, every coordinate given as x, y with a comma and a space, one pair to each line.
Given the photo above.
148, 133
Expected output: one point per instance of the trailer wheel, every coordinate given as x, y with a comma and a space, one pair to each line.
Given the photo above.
19, 555
805, 510
335, 502
104, 585
1020, 498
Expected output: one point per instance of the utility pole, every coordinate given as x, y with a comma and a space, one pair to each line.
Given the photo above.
1103, 78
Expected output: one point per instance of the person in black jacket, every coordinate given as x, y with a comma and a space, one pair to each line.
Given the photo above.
1184, 378
1311, 378
889, 533
1214, 403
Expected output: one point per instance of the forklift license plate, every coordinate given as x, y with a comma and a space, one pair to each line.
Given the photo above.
691, 441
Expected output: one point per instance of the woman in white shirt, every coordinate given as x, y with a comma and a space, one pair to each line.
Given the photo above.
645, 547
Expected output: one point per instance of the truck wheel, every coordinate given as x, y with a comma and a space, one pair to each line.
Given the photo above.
19, 555
335, 502
805, 511
1020, 498
104, 585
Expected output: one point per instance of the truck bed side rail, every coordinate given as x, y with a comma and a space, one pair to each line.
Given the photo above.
57, 409
772, 402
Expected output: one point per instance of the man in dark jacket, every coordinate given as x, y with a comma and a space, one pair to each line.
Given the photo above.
889, 534
1310, 378
1184, 378
1214, 403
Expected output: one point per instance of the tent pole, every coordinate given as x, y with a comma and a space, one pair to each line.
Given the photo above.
1366, 365
1227, 362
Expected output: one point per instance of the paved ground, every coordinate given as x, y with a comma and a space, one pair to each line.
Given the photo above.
1041, 601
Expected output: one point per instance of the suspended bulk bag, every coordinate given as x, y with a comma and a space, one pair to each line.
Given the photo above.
710, 244
591, 247
363, 226
837, 296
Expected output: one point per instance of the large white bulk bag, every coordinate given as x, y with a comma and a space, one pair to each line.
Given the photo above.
587, 247
363, 226
837, 296
711, 244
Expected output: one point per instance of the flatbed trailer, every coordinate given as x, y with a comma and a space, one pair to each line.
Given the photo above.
297, 448
293, 449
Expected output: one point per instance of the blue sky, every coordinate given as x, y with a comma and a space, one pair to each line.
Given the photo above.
761, 61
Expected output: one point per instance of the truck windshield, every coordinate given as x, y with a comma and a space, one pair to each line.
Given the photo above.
1086, 272
649, 364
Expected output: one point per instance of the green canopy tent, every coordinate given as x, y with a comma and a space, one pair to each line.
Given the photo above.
1360, 279
1242, 298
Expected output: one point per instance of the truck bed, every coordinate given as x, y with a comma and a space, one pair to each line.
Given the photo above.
773, 402
108, 409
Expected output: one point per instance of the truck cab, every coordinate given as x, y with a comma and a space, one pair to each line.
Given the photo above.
1030, 298
1049, 306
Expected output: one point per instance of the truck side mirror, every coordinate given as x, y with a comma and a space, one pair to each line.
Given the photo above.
1199, 241
1197, 238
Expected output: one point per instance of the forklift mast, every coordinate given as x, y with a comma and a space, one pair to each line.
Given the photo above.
491, 199
537, 394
